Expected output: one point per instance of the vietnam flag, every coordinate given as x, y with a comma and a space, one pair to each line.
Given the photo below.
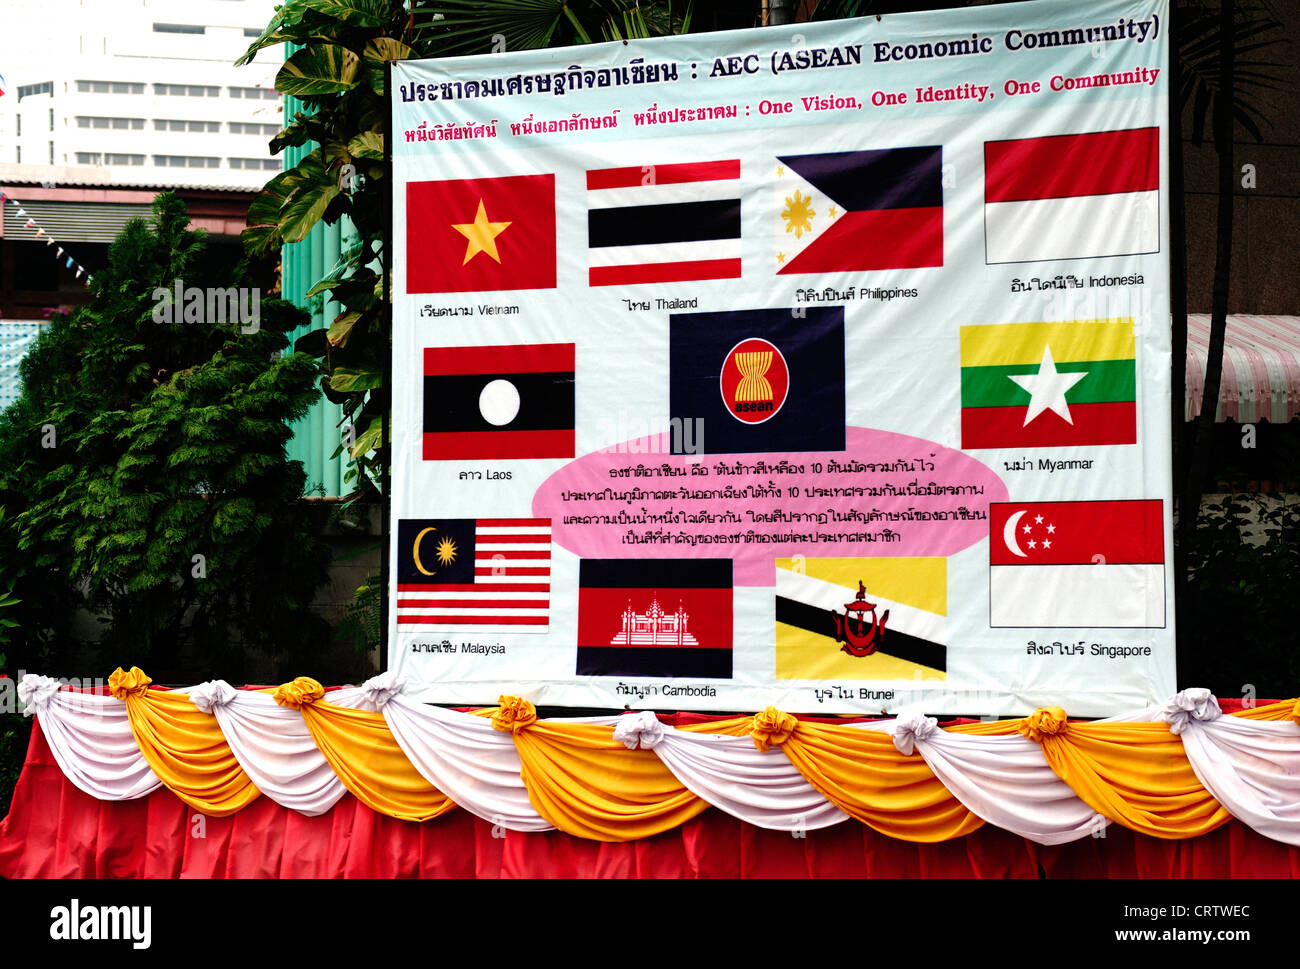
479, 234
1048, 384
851, 211
1077, 564
1072, 196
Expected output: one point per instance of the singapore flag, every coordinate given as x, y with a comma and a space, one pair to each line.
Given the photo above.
1077, 564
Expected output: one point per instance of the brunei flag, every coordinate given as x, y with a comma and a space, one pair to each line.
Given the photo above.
852, 211
862, 619
480, 234
1048, 384
1077, 563
1072, 196
654, 617
664, 223
759, 380
499, 402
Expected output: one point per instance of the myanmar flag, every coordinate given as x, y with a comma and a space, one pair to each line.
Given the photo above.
480, 234
897, 618
1048, 384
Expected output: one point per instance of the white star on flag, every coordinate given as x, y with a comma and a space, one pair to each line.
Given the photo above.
1047, 388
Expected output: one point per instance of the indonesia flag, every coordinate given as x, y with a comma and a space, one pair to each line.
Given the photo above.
1077, 564
664, 223
1072, 196
486, 575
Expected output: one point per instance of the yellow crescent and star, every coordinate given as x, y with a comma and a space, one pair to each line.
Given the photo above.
481, 234
445, 553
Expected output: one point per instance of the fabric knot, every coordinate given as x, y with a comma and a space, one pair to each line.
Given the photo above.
1044, 722
641, 730
133, 683
513, 714
212, 694
35, 693
1184, 707
378, 690
301, 692
772, 728
908, 730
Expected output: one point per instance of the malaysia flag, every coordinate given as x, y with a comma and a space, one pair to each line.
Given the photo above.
851, 211
499, 402
664, 223
1077, 563
1072, 196
474, 575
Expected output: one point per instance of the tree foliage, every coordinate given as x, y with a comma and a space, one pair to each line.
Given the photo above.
144, 471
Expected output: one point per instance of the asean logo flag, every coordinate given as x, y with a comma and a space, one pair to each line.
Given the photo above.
853, 211
1062, 384
480, 234
1077, 564
759, 380
499, 402
1072, 196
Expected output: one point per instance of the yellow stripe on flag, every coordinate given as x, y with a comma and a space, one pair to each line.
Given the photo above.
918, 582
1015, 344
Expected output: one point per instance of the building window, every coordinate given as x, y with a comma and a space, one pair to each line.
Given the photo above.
252, 128
18, 154
254, 93
90, 158
110, 87
116, 159
178, 29
187, 90
120, 124
186, 161
51, 119
18, 125
28, 90
51, 153
252, 32
180, 124
255, 164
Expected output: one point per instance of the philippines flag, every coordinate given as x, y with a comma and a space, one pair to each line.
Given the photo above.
1072, 196
852, 211
499, 402
474, 575
664, 223
1077, 564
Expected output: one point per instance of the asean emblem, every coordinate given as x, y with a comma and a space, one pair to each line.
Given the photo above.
755, 381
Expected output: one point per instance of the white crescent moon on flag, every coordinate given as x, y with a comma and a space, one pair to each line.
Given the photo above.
1009, 533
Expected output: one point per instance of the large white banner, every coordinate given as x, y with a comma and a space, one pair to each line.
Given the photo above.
823, 366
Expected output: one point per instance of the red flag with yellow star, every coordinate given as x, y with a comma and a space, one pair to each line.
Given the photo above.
479, 234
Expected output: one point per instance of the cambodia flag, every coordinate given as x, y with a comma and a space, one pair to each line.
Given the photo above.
654, 617
852, 211
480, 234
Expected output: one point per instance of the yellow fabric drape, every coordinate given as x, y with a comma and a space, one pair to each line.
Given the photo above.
1282, 710
362, 751
587, 784
863, 774
184, 746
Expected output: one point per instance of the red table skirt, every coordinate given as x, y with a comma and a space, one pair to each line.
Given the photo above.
55, 830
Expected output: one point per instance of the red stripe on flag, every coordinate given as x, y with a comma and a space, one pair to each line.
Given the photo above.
528, 358
638, 175
511, 522
1077, 532
472, 620
879, 239
493, 587
1109, 423
472, 603
1101, 163
665, 272
472, 445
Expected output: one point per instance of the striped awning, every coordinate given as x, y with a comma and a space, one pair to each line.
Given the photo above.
1261, 368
